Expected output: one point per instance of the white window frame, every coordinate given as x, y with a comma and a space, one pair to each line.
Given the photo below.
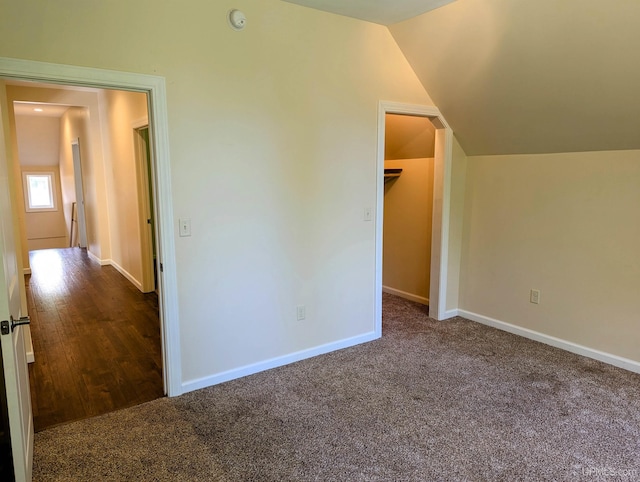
27, 191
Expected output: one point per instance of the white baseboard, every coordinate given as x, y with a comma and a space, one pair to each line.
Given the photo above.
405, 295
121, 270
126, 274
101, 262
450, 314
244, 371
620, 362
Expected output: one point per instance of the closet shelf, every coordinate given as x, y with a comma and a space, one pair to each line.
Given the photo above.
391, 174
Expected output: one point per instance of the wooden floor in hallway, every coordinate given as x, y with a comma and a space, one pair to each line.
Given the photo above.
96, 339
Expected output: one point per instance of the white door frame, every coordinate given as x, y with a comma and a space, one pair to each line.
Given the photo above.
441, 206
155, 87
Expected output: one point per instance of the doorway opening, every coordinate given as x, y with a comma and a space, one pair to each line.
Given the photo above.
442, 155
87, 289
408, 206
154, 88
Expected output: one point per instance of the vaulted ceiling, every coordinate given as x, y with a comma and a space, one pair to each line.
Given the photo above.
384, 12
522, 76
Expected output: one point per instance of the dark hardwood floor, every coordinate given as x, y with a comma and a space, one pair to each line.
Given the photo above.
96, 339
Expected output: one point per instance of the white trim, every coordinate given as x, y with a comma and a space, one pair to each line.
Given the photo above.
441, 207
244, 371
126, 274
441, 217
117, 267
405, 295
140, 123
101, 262
569, 346
451, 314
155, 87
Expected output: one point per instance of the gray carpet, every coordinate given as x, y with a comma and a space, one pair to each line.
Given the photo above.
431, 400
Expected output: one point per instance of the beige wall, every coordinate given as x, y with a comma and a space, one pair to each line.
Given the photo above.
38, 140
120, 110
273, 135
408, 209
566, 224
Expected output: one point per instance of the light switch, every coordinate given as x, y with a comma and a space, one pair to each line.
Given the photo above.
185, 227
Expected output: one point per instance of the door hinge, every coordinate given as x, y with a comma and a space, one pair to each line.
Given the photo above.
161, 268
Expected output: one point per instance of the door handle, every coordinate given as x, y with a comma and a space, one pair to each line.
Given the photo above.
4, 325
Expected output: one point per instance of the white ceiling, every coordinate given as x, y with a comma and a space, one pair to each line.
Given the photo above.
385, 12
520, 77
48, 110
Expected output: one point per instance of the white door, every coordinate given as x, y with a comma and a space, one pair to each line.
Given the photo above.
14, 356
77, 175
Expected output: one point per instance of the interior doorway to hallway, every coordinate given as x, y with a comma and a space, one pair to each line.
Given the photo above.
103, 334
17, 387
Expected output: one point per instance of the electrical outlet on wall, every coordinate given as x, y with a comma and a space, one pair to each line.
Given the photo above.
301, 312
534, 296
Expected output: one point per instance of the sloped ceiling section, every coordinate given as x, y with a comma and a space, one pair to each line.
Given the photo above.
521, 76
384, 12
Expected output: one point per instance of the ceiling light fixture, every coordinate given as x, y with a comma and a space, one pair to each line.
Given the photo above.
38, 109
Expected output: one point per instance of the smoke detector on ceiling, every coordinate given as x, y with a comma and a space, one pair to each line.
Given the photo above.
237, 19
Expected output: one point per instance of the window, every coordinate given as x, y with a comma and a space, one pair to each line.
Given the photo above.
39, 191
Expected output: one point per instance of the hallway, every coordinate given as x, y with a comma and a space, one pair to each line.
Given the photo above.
96, 339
